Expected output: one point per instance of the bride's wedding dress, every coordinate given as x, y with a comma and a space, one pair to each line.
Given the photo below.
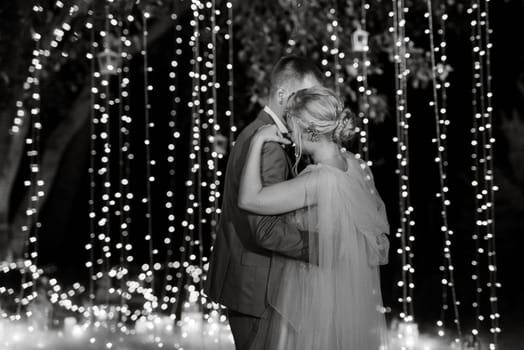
335, 302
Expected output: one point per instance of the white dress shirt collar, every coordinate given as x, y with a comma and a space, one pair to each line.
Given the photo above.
281, 126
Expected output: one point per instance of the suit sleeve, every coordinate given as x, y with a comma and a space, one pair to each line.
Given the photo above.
277, 233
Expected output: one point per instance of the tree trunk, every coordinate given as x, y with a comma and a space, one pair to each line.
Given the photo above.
12, 153
53, 150
12, 66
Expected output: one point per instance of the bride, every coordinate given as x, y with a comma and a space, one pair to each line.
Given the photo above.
334, 302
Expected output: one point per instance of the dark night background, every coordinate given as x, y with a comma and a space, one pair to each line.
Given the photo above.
65, 224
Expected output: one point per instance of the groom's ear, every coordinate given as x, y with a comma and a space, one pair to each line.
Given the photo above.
281, 93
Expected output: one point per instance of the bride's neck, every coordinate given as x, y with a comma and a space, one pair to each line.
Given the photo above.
329, 153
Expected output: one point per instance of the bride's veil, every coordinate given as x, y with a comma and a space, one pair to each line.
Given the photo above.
335, 302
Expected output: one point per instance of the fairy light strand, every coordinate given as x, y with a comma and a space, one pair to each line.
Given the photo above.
338, 79
405, 162
404, 232
149, 162
207, 139
192, 220
363, 89
124, 120
201, 124
106, 157
211, 150
100, 147
331, 47
199, 144
482, 167
448, 280
443, 83
476, 186
120, 195
492, 254
37, 181
230, 112
126, 148
215, 194
169, 266
90, 264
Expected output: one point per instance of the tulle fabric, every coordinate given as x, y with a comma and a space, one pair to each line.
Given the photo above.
335, 303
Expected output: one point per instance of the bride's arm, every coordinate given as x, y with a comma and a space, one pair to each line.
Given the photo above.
276, 199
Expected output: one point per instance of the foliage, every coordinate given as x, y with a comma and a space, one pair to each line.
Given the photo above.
64, 64
268, 30
264, 31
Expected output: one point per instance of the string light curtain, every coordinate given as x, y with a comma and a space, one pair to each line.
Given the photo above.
110, 97
185, 266
36, 185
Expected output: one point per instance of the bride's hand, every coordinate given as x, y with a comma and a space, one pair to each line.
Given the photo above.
270, 133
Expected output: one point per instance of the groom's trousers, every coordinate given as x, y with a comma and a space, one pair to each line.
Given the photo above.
249, 332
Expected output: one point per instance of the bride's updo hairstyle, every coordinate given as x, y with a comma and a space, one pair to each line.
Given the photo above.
319, 112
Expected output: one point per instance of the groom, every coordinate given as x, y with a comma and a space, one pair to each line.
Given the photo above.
242, 274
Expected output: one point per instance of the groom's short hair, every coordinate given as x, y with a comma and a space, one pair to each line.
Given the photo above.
293, 67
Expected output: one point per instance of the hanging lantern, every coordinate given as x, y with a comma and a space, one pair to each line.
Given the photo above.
109, 60
359, 39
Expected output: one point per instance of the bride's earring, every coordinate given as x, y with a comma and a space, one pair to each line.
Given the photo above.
314, 135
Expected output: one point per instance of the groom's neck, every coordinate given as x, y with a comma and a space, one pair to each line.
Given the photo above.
275, 107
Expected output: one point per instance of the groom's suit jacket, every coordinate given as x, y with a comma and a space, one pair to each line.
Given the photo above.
243, 274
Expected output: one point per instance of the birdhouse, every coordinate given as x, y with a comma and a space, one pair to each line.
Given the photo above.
359, 40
